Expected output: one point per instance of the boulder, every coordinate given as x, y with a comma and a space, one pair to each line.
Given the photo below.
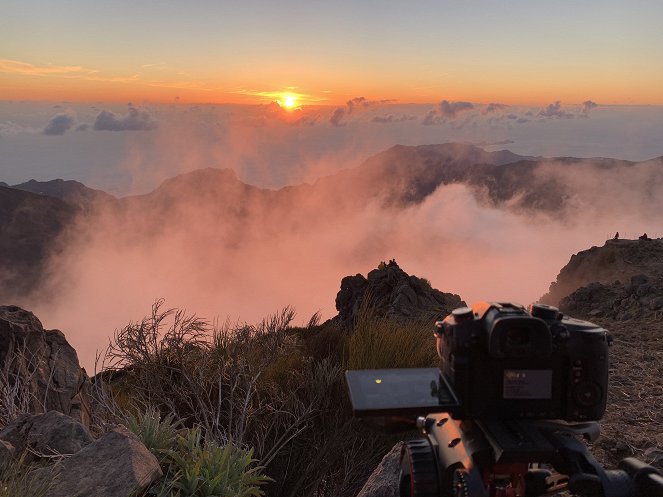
116, 465
52, 433
45, 361
383, 482
391, 292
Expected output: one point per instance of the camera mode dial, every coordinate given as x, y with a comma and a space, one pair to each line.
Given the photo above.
462, 314
543, 311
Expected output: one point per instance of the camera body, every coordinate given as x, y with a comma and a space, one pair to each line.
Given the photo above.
507, 362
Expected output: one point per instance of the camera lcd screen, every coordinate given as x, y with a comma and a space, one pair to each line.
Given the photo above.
527, 384
408, 391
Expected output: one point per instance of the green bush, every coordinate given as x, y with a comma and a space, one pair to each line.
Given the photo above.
204, 469
158, 435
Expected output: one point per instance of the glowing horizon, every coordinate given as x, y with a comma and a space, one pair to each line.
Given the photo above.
526, 54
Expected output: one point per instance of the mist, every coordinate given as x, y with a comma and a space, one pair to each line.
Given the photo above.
220, 248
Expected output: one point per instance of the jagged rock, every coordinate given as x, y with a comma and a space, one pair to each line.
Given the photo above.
7, 452
383, 482
46, 434
391, 292
46, 362
116, 465
641, 298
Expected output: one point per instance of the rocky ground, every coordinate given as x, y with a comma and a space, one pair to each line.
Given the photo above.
633, 423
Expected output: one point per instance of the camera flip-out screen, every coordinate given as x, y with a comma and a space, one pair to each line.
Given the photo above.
399, 392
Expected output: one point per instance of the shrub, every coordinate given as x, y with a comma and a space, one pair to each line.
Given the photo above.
204, 469
17, 396
158, 435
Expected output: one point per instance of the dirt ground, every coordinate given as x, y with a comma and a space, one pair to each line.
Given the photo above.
633, 424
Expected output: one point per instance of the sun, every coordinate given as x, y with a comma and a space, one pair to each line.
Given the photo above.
289, 101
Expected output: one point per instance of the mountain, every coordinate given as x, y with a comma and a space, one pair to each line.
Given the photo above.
30, 227
70, 191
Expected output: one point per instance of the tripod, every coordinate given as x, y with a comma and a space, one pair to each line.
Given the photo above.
515, 458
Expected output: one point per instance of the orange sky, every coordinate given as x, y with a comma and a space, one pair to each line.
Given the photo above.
528, 53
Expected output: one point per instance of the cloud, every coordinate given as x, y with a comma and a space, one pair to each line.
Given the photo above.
392, 119
18, 67
446, 110
273, 113
337, 117
134, 120
60, 123
352, 106
554, 110
8, 128
588, 105
492, 107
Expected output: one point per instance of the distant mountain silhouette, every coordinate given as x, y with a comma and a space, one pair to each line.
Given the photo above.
68, 190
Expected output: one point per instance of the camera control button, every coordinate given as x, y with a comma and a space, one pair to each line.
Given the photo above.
587, 393
462, 314
544, 311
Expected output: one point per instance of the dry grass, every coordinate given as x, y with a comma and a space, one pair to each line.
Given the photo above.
17, 394
378, 342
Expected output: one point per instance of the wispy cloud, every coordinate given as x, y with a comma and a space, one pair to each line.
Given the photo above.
18, 67
304, 98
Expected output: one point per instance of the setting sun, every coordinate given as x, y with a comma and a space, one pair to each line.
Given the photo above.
289, 101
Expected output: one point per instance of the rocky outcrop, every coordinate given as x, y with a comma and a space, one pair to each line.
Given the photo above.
392, 293
72, 462
616, 260
642, 297
383, 482
116, 465
46, 364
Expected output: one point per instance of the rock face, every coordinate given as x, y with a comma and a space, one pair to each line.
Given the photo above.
45, 361
392, 293
116, 465
616, 260
642, 297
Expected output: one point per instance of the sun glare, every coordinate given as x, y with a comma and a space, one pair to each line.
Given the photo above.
289, 101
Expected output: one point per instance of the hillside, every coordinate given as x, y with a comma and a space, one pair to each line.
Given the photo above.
617, 260
30, 227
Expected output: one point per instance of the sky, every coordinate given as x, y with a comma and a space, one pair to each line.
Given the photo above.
516, 52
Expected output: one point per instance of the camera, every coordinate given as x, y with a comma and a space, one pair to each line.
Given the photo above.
502, 415
498, 361
504, 361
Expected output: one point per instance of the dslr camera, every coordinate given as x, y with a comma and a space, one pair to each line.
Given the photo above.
503, 413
